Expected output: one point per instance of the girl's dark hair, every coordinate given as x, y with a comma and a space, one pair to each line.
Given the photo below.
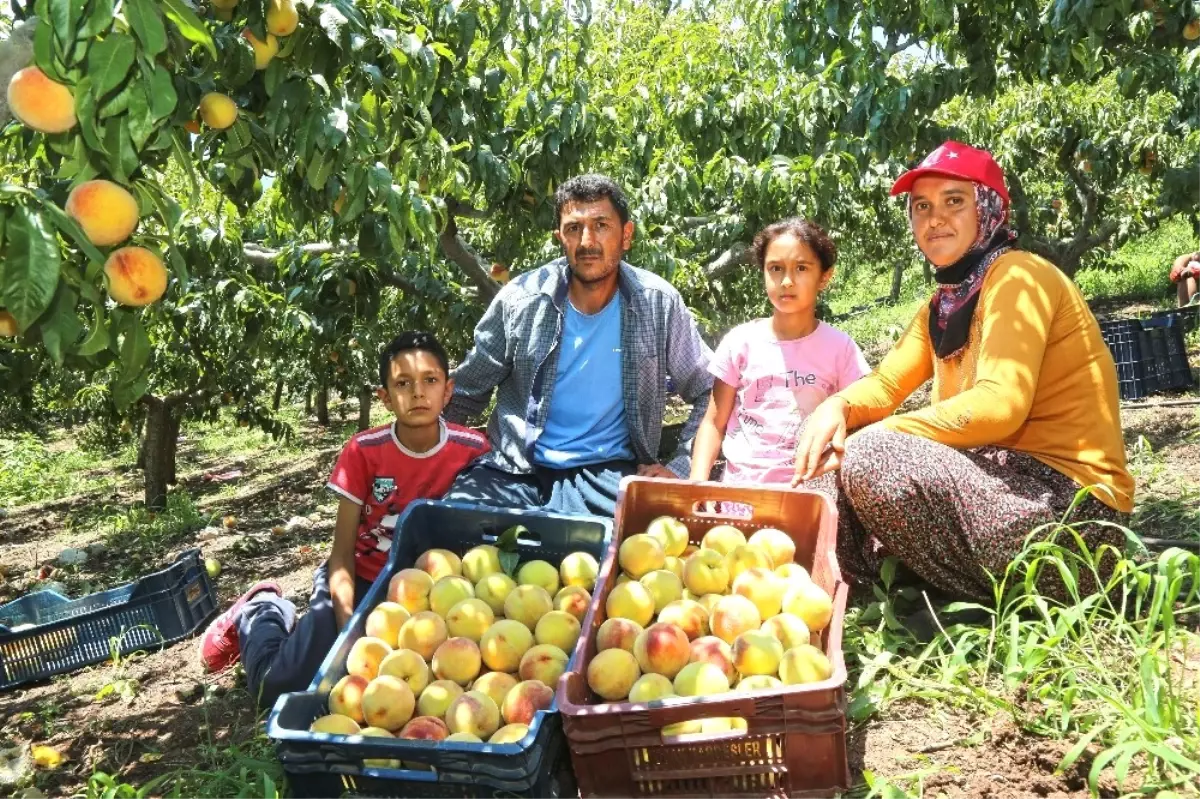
808, 232
406, 342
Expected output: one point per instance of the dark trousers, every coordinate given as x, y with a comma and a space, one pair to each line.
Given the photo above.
590, 490
282, 652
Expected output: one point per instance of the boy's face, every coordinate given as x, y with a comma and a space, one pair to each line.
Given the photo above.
417, 389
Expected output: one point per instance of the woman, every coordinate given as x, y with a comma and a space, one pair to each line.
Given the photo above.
1023, 410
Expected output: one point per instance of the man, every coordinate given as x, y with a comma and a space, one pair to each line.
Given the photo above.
1185, 272
579, 352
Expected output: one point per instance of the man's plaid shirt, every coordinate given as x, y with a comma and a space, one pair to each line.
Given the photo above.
516, 353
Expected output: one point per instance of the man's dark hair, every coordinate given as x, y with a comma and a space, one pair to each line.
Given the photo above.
406, 342
588, 189
808, 232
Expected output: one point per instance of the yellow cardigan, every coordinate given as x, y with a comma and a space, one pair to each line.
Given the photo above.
1035, 376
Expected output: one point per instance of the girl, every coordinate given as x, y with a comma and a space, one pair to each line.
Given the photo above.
771, 373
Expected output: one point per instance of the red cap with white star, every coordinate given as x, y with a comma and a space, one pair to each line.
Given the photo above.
957, 160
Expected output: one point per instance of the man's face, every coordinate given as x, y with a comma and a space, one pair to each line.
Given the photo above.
594, 239
417, 388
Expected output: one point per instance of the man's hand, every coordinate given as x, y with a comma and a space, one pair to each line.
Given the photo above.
655, 470
1183, 267
823, 441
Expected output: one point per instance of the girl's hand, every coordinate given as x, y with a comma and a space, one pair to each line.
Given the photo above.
823, 441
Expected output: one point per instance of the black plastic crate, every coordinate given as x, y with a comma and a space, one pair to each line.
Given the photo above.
1188, 316
1150, 354
44, 633
322, 764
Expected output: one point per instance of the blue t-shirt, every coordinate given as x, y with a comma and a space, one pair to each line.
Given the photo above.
587, 412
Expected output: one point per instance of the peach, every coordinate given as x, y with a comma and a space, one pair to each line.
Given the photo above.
804, 664
789, 630
463, 738
810, 603
539, 572
436, 698
218, 110
759, 682
617, 634
744, 557
365, 656
684, 727
423, 633
470, 618
732, 616
410, 588
378, 762
136, 276
662, 648
640, 554
504, 644
723, 538
481, 561
473, 712
439, 563
690, 616
630, 601
9, 326
408, 666
701, 679
612, 673
39, 102
776, 543
448, 592
756, 652
764, 588
690, 550
706, 573
663, 586
545, 663
574, 600
388, 702
558, 628
524, 701
675, 566
670, 533
336, 724
385, 620
458, 660
650, 687
346, 697
623, 578
282, 17
579, 569
107, 212
708, 602
793, 573
509, 734
495, 684
424, 728
494, 589
711, 649
527, 604
263, 51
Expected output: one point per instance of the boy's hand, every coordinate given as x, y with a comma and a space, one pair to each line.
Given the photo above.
656, 470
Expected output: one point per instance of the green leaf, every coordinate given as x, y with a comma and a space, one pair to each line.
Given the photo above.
44, 53
135, 350
98, 340
146, 20
140, 121
109, 61
189, 24
119, 103
183, 158
507, 542
65, 16
99, 19
60, 327
85, 112
509, 562
163, 97
30, 267
70, 228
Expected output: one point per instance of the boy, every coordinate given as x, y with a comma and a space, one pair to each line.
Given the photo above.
379, 472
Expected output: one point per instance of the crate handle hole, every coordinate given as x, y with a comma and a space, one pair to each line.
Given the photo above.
671, 734
526, 539
723, 509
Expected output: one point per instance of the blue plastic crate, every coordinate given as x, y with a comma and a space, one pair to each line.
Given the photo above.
44, 633
321, 764
1150, 354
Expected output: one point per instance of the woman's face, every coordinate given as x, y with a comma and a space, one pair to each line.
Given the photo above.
944, 219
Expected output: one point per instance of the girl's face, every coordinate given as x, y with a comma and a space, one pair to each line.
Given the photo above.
793, 275
944, 219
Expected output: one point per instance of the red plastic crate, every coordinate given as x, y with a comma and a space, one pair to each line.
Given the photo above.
795, 740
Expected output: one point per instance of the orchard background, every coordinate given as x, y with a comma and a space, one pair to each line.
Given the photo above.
289, 184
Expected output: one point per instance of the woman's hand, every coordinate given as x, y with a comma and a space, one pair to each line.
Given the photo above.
823, 441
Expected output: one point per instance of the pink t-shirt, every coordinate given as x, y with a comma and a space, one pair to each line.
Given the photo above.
779, 383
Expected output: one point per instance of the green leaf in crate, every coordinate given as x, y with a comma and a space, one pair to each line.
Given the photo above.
109, 61
30, 266
509, 562
189, 25
146, 20
507, 542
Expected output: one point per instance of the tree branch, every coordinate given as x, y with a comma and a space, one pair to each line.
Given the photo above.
258, 255
457, 250
737, 255
466, 211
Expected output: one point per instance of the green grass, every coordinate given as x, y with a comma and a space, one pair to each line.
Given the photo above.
1139, 269
42, 471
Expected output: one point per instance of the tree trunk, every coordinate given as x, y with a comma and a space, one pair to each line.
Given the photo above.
278, 396
364, 407
897, 277
158, 451
323, 405
307, 402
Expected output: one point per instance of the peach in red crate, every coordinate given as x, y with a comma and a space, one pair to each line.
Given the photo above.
662, 648
612, 673
764, 588
671, 533
524, 701
651, 687
793, 573
790, 631
701, 679
640, 554
744, 557
706, 573
663, 586
630, 601
732, 616
689, 615
617, 634
778, 544
723, 538
804, 664
711, 649
810, 603
756, 652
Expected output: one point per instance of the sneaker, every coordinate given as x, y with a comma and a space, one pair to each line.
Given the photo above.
219, 645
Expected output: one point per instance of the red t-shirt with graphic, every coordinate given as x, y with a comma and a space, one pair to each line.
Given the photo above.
376, 472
